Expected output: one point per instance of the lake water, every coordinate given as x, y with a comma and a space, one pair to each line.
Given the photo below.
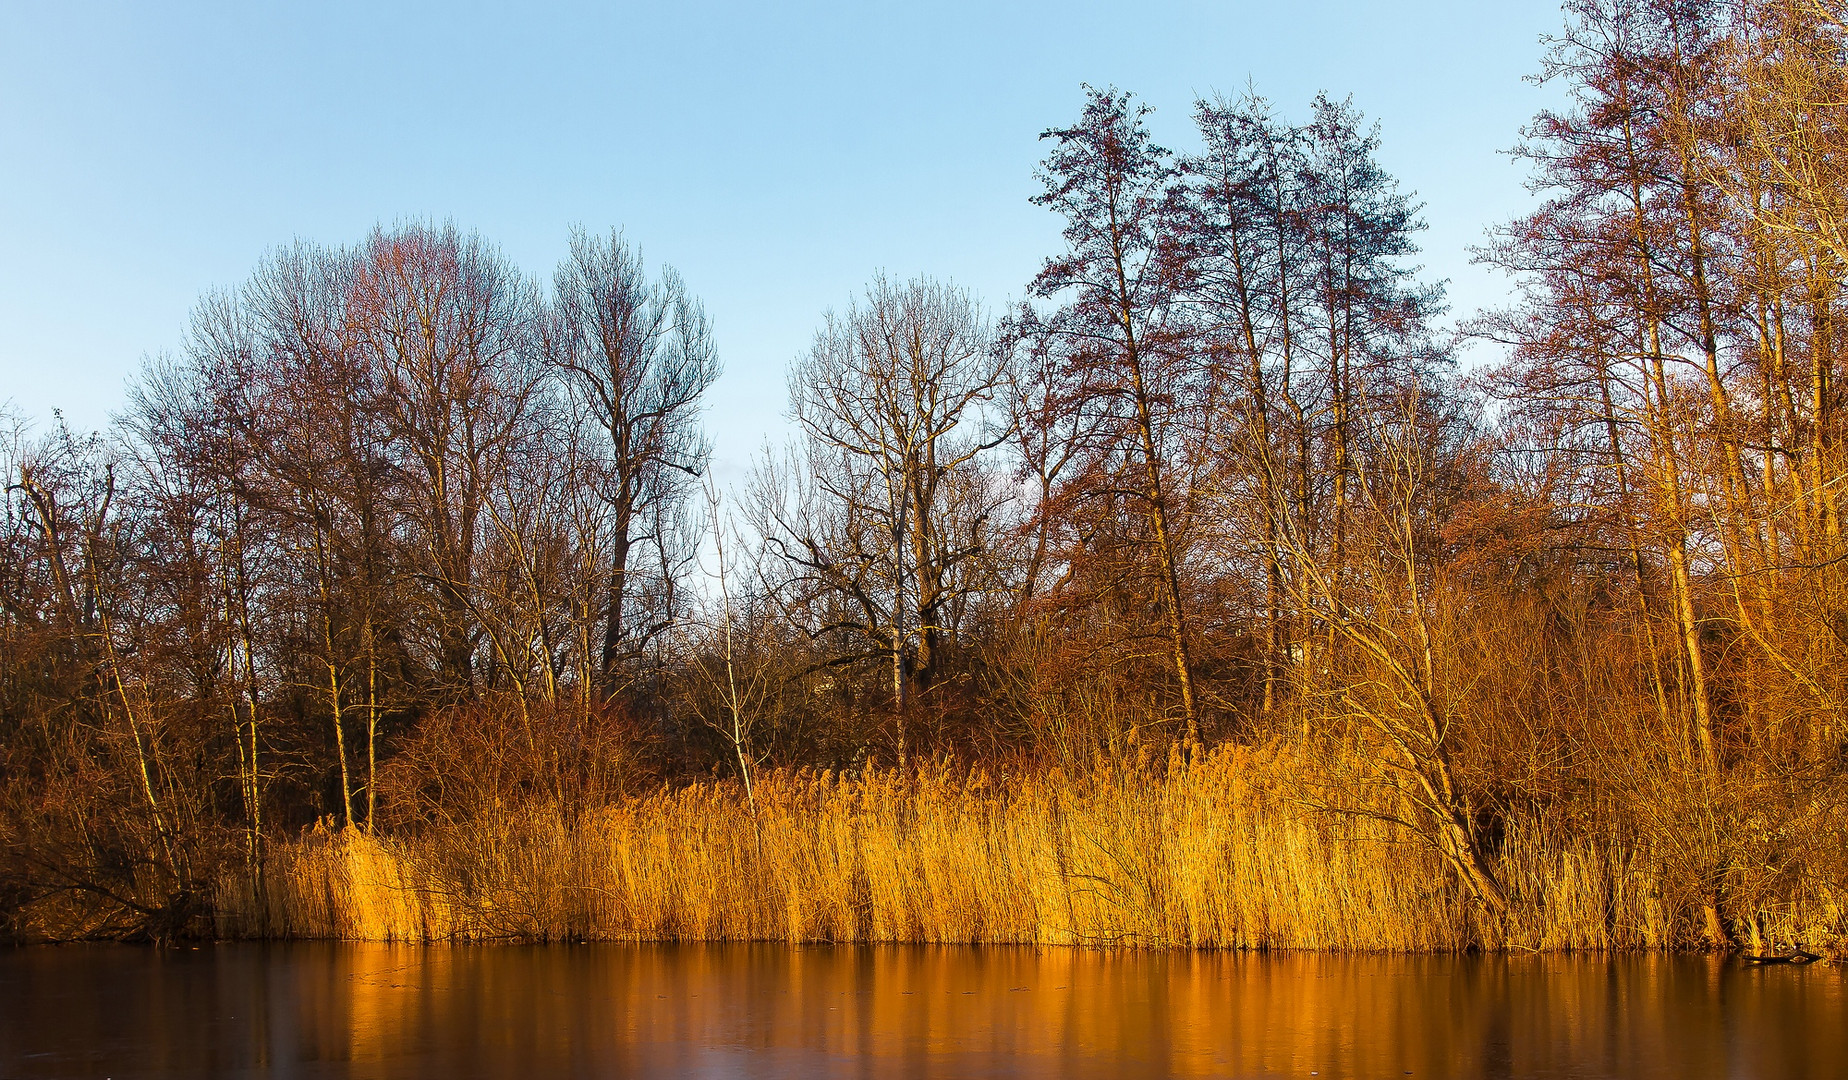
892, 1012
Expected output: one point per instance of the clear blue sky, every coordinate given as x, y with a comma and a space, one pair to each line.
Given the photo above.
777, 154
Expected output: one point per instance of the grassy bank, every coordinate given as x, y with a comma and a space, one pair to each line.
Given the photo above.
1218, 854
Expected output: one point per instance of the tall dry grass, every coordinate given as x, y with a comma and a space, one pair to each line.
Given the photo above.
1217, 853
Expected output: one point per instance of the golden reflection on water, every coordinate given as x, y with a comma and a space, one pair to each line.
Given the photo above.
903, 1011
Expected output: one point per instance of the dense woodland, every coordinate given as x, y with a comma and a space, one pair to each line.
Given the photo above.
402, 540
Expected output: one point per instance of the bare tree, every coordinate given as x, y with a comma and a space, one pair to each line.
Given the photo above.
635, 356
893, 401
1404, 687
448, 326
734, 679
1115, 341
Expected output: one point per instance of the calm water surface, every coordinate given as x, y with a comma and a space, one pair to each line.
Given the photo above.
902, 1011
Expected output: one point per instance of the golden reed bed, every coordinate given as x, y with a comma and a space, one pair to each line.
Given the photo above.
1217, 854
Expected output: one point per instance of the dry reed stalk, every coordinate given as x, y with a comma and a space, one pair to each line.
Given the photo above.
1209, 854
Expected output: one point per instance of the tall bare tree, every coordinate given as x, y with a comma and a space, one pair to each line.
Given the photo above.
636, 356
448, 326
1115, 337
893, 403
